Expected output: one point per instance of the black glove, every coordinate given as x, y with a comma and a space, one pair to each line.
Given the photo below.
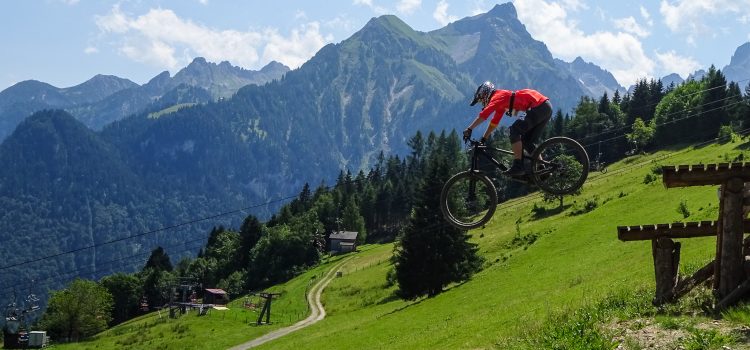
483, 141
467, 134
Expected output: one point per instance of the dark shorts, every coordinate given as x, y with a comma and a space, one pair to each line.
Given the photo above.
530, 128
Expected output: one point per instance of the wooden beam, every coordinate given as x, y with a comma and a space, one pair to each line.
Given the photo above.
673, 230
704, 174
734, 296
700, 276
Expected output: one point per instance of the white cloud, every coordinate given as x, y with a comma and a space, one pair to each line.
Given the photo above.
574, 5
689, 16
647, 16
619, 52
671, 62
408, 7
630, 25
441, 13
296, 49
203, 2
344, 23
600, 13
90, 50
375, 8
161, 38
70, 2
481, 6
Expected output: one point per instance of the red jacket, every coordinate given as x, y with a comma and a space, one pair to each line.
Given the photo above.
525, 99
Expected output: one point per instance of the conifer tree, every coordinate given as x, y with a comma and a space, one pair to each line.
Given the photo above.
713, 114
559, 124
250, 233
430, 253
159, 260
616, 99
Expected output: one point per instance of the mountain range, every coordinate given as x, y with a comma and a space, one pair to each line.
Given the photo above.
113, 161
105, 98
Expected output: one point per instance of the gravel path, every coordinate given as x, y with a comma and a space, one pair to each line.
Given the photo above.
317, 314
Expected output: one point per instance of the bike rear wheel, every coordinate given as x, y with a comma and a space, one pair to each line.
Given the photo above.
560, 166
468, 200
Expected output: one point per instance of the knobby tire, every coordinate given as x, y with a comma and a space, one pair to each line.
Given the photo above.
454, 187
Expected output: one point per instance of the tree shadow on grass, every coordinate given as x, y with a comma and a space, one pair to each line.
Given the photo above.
743, 146
544, 212
394, 297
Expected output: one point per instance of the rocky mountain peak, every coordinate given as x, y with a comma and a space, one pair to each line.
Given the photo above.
741, 55
506, 10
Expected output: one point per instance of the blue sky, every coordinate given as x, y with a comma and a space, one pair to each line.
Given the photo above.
66, 42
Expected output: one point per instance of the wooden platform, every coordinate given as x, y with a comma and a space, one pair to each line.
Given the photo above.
673, 230
704, 174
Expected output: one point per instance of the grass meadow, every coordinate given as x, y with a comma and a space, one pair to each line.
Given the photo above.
554, 278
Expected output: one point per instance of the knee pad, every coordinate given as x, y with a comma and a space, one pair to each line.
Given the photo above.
516, 130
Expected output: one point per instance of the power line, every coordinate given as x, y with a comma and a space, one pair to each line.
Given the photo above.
93, 270
664, 123
626, 127
145, 233
166, 228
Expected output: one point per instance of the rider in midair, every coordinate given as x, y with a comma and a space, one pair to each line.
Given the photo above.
532, 109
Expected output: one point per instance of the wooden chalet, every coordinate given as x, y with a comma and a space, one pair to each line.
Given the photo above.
343, 242
215, 296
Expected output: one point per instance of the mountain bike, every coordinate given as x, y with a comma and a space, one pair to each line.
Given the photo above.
558, 166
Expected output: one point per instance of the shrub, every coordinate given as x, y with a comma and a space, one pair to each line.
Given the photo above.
587, 206
683, 210
649, 178
726, 134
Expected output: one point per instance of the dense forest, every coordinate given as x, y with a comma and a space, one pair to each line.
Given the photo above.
396, 200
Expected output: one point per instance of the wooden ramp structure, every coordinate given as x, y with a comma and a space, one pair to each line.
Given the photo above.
731, 268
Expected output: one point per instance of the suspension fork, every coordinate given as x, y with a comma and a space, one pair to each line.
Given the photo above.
474, 159
474, 168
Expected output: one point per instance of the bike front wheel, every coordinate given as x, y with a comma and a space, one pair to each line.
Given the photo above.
468, 200
560, 165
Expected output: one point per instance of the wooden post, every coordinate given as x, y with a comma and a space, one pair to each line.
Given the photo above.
731, 269
666, 254
720, 228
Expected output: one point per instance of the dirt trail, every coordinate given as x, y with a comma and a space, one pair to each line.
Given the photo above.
317, 312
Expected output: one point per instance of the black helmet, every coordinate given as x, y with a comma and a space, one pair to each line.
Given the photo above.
483, 94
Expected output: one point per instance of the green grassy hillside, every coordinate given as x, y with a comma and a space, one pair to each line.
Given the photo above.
216, 330
575, 261
541, 263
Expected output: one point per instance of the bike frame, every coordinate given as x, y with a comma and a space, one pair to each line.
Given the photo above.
482, 150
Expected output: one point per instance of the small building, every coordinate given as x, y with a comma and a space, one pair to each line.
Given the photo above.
215, 296
343, 241
38, 339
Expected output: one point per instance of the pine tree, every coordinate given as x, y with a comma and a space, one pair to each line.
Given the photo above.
713, 113
250, 233
616, 99
159, 260
603, 106
430, 253
638, 106
559, 124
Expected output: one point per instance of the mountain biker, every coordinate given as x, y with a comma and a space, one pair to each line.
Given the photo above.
532, 109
